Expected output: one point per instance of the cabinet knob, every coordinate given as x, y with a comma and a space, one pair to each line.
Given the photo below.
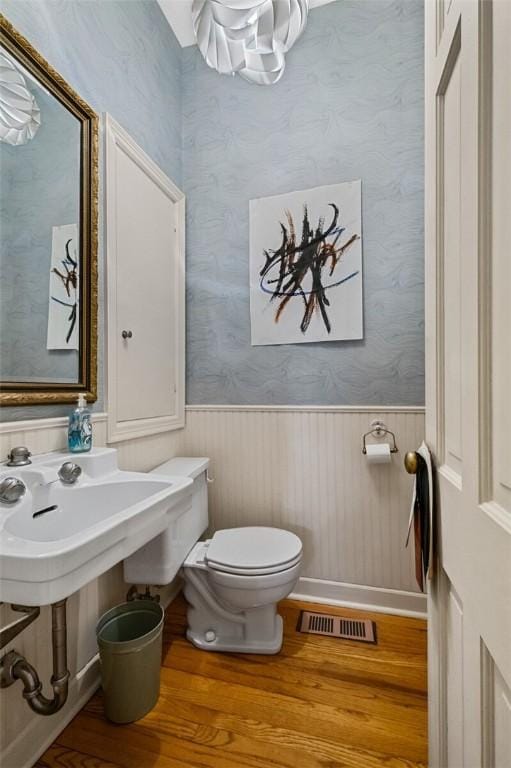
126, 334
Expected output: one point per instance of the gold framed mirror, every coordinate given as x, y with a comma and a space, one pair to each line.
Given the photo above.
48, 231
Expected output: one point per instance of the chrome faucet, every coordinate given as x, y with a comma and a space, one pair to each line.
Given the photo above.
19, 457
11, 490
69, 472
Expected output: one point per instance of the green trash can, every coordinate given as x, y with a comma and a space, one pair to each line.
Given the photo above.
130, 645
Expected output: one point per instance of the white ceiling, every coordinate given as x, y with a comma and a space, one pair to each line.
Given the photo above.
179, 16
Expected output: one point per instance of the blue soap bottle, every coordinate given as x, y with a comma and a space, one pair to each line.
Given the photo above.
79, 434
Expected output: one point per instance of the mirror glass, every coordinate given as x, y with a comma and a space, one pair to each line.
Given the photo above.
39, 231
48, 231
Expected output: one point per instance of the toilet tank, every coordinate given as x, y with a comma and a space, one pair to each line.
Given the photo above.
158, 562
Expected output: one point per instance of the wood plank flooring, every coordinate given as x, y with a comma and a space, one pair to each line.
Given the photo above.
320, 703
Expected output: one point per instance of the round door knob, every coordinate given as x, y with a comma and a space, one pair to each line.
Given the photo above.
411, 463
126, 334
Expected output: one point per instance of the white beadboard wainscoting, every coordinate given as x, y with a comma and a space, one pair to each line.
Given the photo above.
302, 468
23, 734
44, 435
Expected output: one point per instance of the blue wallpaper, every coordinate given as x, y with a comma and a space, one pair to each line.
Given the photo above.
123, 58
349, 106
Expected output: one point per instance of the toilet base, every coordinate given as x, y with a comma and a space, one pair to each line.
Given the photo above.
236, 645
213, 626
232, 612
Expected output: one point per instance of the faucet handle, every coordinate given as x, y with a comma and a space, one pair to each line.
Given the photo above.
69, 472
18, 457
11, 490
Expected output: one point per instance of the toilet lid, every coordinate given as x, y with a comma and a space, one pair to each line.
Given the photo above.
253, 550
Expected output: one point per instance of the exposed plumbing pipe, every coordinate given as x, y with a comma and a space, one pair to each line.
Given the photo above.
16, 667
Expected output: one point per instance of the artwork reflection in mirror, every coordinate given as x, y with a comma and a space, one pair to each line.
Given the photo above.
40, 155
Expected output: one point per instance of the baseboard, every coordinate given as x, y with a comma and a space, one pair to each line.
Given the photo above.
42, 731
393, 601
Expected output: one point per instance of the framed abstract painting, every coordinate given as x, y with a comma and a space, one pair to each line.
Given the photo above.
306, 265
64, 291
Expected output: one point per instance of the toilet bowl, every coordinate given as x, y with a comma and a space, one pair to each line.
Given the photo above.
233, 583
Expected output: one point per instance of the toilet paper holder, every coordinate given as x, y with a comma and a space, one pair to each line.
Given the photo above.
379, 429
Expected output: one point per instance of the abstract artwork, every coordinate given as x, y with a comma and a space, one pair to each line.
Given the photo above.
64, 289
306, 265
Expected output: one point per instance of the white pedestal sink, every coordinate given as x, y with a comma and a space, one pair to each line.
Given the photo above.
57, 538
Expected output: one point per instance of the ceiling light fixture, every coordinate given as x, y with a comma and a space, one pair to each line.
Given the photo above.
20, 116
248, 37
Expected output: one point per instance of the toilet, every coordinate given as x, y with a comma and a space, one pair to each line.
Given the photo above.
233, 581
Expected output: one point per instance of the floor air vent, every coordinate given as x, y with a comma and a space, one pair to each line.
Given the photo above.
337, 626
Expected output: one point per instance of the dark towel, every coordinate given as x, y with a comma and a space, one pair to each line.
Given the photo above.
421, 522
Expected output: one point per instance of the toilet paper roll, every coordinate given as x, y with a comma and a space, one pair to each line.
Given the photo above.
378, 453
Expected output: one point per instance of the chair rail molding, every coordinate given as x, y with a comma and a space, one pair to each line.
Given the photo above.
310, 408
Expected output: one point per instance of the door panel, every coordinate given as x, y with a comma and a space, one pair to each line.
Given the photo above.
501, 254
451, 308
468, 375
502, 721
454, 674
496, 714
146, 245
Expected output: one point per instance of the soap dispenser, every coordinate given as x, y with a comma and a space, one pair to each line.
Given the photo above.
79, 433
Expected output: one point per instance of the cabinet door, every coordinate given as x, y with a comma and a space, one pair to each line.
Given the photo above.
145, 290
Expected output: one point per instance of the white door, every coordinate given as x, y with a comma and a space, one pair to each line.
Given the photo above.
146, 250
468, 372
145, 288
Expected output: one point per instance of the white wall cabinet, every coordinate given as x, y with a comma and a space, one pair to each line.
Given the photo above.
145, 286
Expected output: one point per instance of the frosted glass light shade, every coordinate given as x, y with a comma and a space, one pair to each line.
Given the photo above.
20, 116
248, 37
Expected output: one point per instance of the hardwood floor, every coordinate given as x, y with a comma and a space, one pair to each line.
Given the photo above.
321, 703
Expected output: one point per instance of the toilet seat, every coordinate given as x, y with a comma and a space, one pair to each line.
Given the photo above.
253, 551
252, 572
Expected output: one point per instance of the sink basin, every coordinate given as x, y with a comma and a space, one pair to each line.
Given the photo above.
57, 538
59, 512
